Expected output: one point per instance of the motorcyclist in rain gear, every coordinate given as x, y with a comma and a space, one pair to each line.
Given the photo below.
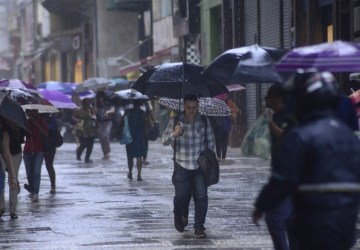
318, 165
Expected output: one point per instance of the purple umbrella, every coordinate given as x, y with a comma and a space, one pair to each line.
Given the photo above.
17, 84
58, 99
65, 87
339, 56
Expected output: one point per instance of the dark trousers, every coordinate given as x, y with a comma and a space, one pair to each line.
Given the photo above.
323, 230
189, 182
276, 221
85, 143
221, 143
49, 157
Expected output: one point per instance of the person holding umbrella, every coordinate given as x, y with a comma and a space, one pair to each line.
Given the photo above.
104, 116
188, 136
33, 154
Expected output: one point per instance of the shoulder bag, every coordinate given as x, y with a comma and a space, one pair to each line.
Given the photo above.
208, 162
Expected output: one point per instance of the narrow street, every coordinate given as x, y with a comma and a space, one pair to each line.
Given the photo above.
97, 207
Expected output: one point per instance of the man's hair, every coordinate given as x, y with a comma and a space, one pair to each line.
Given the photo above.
276, 91
191, 97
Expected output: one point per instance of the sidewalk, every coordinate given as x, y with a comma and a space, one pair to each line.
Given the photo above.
97, 207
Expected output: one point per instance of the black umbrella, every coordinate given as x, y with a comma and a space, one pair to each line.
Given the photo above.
12, 112
245, 65
175, 80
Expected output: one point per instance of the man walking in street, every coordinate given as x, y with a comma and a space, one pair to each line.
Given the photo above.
318, 166
187, 133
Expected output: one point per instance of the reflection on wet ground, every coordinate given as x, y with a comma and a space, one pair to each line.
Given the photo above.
97, 207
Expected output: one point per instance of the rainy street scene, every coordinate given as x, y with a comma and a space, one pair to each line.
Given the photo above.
180, 124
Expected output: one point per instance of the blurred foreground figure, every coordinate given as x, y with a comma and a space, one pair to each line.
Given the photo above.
318, 166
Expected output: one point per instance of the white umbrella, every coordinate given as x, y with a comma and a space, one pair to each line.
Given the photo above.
94, 84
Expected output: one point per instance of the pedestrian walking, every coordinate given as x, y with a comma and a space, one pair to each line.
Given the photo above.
150, 120
137, 148
16, 137
34, 152
221, 126
50, 150
86, 129
187, 135
279, 119
318, 166
104, 116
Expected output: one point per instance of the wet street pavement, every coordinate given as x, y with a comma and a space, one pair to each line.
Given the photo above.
97, 207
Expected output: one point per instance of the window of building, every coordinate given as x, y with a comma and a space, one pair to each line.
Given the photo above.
161, 9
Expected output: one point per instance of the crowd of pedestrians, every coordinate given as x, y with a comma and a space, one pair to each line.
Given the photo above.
313, 192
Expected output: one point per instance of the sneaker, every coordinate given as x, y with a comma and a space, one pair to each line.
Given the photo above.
52, 190
200, 233
35, 198
13, 216
88, 161
146, 163
27, 187
129, 176
139, 178
179, 223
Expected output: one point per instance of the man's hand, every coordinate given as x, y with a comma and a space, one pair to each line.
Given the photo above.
257, 216
177, 130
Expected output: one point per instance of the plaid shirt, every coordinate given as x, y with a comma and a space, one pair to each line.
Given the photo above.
191, 142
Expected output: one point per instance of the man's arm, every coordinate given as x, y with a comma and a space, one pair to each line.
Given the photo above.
167, 136
210, 135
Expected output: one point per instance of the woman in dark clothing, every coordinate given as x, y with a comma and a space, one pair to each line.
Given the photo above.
50, 151
137, 148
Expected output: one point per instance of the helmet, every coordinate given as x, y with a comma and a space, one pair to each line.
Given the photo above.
313, 90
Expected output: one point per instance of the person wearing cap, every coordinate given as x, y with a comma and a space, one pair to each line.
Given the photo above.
318, 166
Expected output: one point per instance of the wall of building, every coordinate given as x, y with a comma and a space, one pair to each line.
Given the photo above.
205, 10
117, 34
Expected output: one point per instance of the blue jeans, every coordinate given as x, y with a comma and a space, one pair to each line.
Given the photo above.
189, 182
276, 221
33, 163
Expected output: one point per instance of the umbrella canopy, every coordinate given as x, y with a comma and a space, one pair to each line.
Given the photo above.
175, 80
207, 106
244, 65
126, 96
339, 56
12, 112
17, 84
58, 99
94, 84
29, 100
65, 87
